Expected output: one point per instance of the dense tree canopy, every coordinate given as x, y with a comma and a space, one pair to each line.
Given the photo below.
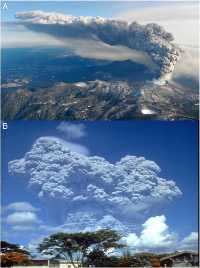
79, 246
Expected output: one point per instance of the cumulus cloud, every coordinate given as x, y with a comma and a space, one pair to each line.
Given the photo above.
150, 38
71, 130
20, 206
24, 218
190, 242
87, 189
154, 236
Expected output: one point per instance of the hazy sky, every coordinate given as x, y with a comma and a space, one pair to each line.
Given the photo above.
171, 145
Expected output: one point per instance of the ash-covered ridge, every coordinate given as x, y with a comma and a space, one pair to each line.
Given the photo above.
101, 100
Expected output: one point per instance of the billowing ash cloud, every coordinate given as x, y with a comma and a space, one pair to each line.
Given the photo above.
150, 38
82, 190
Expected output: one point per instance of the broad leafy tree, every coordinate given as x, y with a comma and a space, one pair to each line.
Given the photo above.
77, 247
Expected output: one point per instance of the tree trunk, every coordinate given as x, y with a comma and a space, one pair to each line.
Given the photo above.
71, 259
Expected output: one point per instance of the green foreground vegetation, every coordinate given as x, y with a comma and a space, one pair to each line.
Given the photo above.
88, 248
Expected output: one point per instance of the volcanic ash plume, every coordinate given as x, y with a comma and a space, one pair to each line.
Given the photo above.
150, 38
76, 188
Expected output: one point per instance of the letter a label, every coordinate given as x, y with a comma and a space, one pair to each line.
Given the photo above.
5, 6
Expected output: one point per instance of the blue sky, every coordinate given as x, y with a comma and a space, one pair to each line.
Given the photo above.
75, 8
172, 145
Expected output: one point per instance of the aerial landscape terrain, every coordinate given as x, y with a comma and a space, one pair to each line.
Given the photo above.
96, 68
79, 88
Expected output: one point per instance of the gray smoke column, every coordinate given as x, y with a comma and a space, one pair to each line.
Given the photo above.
89, 190
150, 38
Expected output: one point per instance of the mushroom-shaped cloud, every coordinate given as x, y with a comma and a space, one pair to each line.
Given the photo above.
86, 190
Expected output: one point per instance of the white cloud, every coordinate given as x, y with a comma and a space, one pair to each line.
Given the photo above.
20, 206
154, 236
23, 228
86, 189
24, 218
74, 147
72, 130
190, 242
